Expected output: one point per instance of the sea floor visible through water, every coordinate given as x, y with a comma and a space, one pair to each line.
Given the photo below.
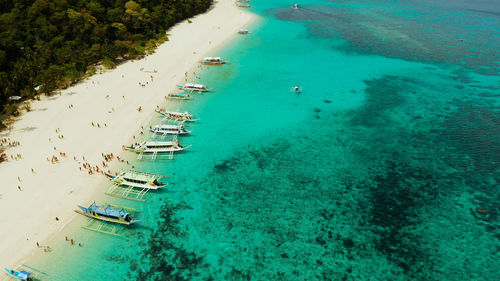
385, 167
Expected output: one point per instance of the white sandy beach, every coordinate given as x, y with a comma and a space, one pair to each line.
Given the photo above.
51, 190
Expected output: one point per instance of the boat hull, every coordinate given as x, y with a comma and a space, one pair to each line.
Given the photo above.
17, 275
162, 150
213, 63
178, 98
145, 186
170, 132
190, 89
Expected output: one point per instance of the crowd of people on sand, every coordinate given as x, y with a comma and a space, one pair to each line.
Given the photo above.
4, 157
91, 169
9, 143
53, 160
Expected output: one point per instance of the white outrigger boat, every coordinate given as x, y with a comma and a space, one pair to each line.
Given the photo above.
193, 88
169, 129
213, 61
134, 185
177, 116
156, 147
138, 179
179, 96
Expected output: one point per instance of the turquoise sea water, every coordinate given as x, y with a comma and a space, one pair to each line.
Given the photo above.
386, 167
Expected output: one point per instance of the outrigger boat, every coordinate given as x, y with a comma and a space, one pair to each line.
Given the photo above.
192, 88
21, 275
179, 96
134, 185
108, 214
243, 4
243, 31
156, 147
177, 116
213, 61
138, 179
169, 129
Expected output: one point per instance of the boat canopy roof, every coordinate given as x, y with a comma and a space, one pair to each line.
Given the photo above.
160, 143
177, 113
107, 211
168, 126
139, 176
211, 58
191, 85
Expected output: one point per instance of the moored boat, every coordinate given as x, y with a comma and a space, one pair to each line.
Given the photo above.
169, 129
179, 96
177, 116
20, 275
108, 214
156, 147
137, 179
213, 61
190, 87
243, 31
296, 89
243, 4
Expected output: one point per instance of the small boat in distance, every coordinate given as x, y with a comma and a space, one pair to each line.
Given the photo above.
138, 179
20, 275
189, 87
243, 4
295, 6
156, 147
179, 96
169, 129
296, 89
177, 116
243, 31
108, 214
213, 61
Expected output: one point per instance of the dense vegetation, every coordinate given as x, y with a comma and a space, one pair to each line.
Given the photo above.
53, 43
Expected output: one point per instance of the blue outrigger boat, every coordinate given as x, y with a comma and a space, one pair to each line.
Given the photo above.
21, 275
108, 214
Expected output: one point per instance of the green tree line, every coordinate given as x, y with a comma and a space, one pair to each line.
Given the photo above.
49, 44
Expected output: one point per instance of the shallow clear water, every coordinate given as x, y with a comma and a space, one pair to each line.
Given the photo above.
384, 168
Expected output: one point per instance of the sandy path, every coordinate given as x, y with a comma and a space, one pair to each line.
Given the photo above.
28, 216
